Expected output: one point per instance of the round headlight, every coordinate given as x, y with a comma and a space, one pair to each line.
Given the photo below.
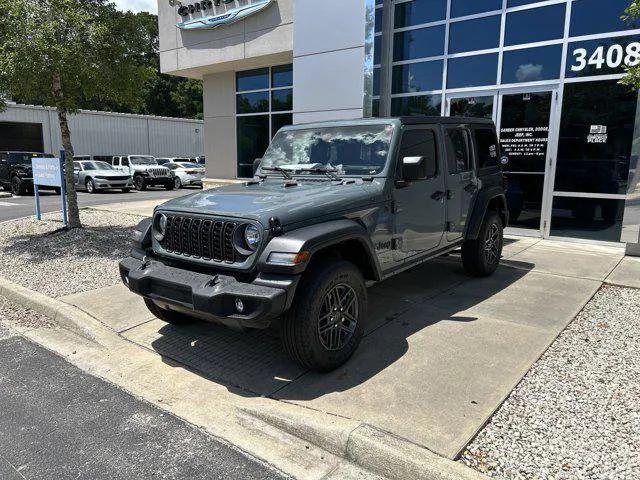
251, 236
161, 227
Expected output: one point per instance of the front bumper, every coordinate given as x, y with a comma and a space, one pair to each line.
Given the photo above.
209, 297
153, 181
192, 180
105, 184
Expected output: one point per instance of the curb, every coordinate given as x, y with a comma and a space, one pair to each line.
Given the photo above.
66, 316
372, 449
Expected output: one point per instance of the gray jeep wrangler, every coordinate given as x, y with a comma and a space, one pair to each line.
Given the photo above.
333, 208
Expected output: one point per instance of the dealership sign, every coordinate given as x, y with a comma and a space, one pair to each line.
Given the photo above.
207, 14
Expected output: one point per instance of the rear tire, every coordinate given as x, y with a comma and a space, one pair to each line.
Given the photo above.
174, 318
177, 183
314, 331
481, 257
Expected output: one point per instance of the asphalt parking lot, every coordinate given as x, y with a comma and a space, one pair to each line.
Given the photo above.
18, 207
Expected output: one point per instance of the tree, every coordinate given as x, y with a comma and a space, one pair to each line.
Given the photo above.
64, 53
632, 14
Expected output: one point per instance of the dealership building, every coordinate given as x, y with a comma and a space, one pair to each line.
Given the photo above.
546, 72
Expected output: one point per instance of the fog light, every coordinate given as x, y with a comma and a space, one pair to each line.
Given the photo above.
239, 305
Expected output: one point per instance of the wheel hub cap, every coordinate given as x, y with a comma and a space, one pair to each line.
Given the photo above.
492, 244
338, 317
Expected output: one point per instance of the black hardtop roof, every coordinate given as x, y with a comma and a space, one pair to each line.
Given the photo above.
423, 119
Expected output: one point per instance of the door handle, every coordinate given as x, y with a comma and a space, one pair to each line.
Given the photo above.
438, 196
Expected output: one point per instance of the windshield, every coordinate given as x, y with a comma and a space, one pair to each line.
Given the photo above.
25, 157
97, 166
139, 160
349, 150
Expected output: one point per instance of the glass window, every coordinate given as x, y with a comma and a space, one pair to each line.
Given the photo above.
417, 77
420, 43
478, 107
377, 50
457, 150
418, 12
524, 199
375, 108
460, 8
252, 102
487, 145
280, 120
376, 82
478, 34
282, 76
596, 137
472, 71
419, 105
253, 140
594, 219
596, 16
531, 64
535, 25
252, 80
420, 143
282, 100
605, 56
518, 3
378, 20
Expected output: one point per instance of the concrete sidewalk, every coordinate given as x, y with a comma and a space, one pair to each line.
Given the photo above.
442, 350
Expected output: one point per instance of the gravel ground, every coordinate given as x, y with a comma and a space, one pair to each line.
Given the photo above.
57, 263
12, 315
576, 414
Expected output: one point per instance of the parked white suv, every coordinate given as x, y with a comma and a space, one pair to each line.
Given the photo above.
145, 171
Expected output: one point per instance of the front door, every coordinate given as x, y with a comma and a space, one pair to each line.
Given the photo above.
419, 205
462, 182
525, 127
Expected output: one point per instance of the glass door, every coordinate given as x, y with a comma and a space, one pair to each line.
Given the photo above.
482, 105
527, 137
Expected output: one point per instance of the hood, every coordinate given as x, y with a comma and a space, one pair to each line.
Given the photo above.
147, 167
307, 200
106, 173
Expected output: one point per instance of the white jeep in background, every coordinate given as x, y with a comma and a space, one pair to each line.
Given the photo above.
145, 171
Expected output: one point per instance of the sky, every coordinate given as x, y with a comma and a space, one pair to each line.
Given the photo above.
138, 5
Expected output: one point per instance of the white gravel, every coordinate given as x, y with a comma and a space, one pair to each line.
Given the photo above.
576, 414
65, 262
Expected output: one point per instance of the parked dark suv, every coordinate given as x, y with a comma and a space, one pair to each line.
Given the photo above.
333, 208
16, 173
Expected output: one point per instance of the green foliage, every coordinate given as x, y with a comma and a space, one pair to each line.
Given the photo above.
632, 77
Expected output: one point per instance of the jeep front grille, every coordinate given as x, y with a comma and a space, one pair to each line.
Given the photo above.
159, 172
201, 238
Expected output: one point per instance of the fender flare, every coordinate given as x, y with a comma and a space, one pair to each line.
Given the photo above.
484, 198
315, 238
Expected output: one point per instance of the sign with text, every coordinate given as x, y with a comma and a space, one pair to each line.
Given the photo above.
603, 56
207, 14
47, 172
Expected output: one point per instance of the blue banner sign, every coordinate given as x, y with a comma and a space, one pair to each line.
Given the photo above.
47, 172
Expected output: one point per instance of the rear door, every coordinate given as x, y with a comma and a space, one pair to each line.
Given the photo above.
419, 205
462, 181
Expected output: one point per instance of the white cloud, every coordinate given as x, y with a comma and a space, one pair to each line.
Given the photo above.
529, 72
137, 5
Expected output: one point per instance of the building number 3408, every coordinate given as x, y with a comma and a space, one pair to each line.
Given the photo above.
613, 57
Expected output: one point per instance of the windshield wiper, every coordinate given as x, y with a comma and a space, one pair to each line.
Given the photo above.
331, 173
280, 170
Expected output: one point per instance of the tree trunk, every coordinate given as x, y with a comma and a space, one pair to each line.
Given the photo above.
72, 197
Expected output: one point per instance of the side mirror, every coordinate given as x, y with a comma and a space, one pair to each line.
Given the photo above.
256, 165
417, 168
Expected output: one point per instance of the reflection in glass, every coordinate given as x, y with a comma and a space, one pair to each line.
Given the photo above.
417, 77
478, 107
375, 108
524, 199
524, 131
461, 8
420, 43
256, 102
535, 25
531, 64
596, 16
282, 76
419, 12
596, 137
472, 71
477, 34
418, 105
518, 3
253, 140
594, 219
377, 50
282, 100
280, 120
376, 82
252, 80
378, 20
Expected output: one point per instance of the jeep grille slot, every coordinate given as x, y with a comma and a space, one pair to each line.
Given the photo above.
200, 238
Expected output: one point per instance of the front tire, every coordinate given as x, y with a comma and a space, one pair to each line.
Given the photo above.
126, 190
174, 318
90, 186
324, 326
18, 188
139, 183
481, 257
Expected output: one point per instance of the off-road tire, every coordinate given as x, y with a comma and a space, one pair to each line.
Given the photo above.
174, 318
476, 259
300, 327
90, 185
18, 188
139, 183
